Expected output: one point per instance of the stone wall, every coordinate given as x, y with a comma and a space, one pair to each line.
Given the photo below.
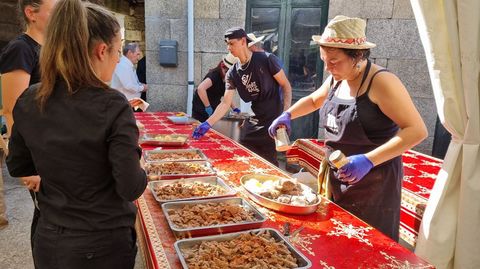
166, 19
9, 25
391, 25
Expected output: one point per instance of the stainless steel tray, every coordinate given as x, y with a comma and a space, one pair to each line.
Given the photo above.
212, 180
172, 140
182, 120
302, 261
213, 229
275, 205
147, 153
151, 175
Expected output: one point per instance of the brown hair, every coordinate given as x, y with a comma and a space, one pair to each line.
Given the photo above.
219, 68
22, 4
69, 44
357, 54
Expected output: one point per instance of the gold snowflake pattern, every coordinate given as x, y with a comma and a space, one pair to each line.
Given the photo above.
226, 148
242, 159
408, 179
423, 190
350, 231
428, 175
411, 155
394, 263
304, 242
436, 164
409, 165
326, 266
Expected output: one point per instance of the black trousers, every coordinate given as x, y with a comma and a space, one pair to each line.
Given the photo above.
56, 247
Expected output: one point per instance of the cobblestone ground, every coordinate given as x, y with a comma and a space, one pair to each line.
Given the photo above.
15, 252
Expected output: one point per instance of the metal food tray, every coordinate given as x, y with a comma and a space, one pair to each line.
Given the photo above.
151, 140
208, 165
212, 180
182, 120
277, 206
214, 229
302, 261
146, 155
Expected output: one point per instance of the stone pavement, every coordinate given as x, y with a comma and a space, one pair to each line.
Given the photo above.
15, 252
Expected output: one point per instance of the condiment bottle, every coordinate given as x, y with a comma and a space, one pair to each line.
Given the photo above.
282, 140
338, 159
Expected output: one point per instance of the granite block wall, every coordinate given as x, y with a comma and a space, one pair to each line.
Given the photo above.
165, 19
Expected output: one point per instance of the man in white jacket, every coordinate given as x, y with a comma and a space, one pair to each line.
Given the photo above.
125, 79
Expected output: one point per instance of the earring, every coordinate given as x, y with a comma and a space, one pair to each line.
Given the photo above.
358, 66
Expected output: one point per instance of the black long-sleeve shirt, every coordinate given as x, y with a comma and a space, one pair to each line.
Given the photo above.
85, 148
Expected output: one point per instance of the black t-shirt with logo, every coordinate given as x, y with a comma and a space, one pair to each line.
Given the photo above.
22, 53
214, 93
255, 83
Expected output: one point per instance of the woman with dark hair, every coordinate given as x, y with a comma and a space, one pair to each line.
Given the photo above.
19, 69
80, 137
211, 90
367, 114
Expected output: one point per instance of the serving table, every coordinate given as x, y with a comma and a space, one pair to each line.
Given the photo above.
420, 171
330, 237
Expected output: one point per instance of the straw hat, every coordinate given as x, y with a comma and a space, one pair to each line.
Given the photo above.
255, 40
344, 32
229, 60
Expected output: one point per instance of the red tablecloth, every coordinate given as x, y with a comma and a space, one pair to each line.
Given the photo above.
420, 172
332, 238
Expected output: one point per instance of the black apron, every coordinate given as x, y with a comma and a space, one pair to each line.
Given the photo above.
376, 198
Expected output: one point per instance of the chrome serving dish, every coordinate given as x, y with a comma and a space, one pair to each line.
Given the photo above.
212, 180
259, 218
172, 140
182, 120
275, 205
154, 175
148, 153
180, 245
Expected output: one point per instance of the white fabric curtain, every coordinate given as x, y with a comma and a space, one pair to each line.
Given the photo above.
450, 32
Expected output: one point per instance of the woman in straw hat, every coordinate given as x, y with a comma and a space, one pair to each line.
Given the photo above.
211, 90
367, 114
80, 136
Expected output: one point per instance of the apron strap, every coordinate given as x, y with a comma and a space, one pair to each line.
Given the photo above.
371, 80
367, 70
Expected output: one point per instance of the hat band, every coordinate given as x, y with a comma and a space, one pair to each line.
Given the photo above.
227, 62
351, 41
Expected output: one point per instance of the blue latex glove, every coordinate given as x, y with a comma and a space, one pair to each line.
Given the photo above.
357, 167
209, 110
236, 110
201, 130
284, 119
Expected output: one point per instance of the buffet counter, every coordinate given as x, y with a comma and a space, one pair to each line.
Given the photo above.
330, 237
420, 172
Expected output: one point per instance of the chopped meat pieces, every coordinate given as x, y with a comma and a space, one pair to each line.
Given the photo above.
255, 251
209, 214
180, 190
177, 168
173, 156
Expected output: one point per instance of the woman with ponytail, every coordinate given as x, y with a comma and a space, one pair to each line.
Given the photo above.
80, 137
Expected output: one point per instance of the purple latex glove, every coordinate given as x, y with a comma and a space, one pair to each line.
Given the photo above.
201, 130
284, 119
357, 167
236, 110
